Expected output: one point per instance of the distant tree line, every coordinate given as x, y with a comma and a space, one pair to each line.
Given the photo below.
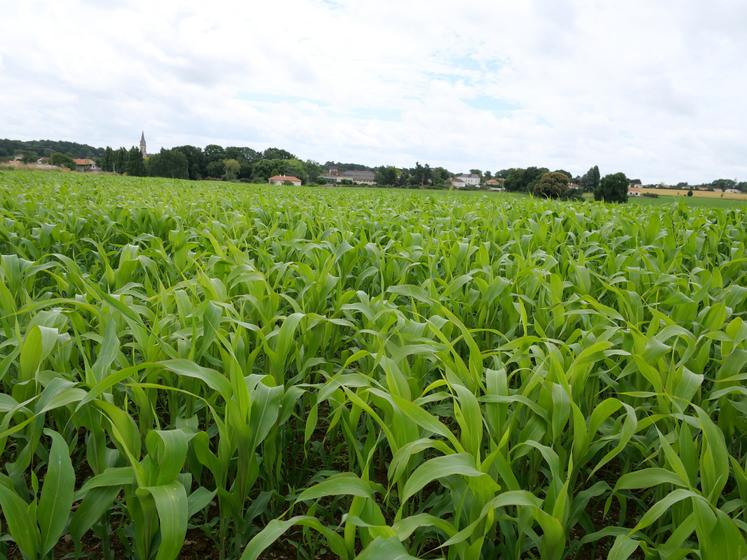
213, 162
31, 150
237, 163
542, 182
123, 161
420, 176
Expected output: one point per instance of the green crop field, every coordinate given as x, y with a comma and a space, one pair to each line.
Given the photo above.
214, 370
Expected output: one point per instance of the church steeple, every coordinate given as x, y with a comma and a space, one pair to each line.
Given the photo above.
142, 144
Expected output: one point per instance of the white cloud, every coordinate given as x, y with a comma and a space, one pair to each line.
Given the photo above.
649, 88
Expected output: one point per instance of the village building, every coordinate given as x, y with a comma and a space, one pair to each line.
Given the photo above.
358, 177
495, 184
284, 179
143, 150
464, 180
85, 165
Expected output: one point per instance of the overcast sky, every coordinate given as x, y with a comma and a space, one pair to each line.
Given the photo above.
652, 88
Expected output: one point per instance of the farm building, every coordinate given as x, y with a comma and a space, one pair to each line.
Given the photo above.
494, 182
634, 191
361, 177
85, 165
284, 179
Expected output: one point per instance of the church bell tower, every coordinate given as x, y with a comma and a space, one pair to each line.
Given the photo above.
142, 144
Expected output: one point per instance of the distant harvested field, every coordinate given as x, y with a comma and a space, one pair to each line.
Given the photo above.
702, 194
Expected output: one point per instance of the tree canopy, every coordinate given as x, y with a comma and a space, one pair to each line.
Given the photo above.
524, 180
551, 185
168, 163
590, 180
613, 188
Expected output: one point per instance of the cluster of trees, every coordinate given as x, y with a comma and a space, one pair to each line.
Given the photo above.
423, 176
231, 164
613, 188
540, 181
123, 161
523, 180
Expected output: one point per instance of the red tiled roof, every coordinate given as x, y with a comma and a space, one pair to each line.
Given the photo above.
284, 178
84, 162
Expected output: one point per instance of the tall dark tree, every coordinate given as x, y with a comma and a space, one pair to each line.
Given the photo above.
120, 160
168, 163
195, 160
419, 175
135, 164
613, 188
108, 162
427, 178
590, 180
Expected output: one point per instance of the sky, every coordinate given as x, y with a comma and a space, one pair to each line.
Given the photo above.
653, 88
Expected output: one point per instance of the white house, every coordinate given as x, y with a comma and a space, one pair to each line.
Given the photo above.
465, 180
283, 179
